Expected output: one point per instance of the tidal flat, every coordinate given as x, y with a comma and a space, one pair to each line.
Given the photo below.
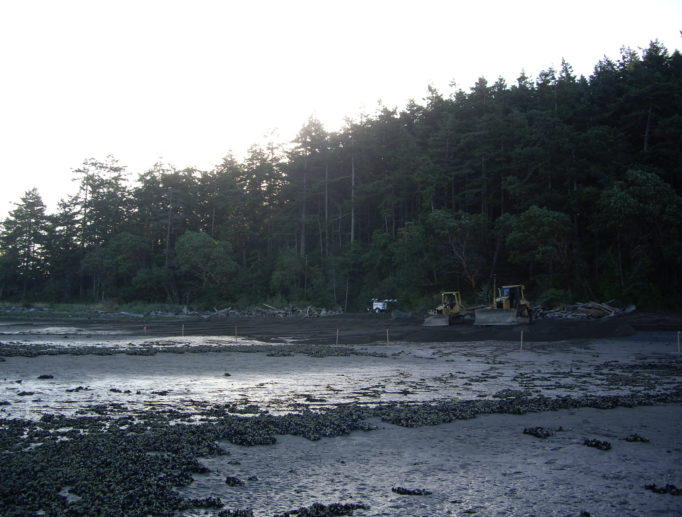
119, 424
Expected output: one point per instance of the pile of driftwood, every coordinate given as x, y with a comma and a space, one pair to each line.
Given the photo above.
587, 310
268, 311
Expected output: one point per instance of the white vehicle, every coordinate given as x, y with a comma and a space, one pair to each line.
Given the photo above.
380, 305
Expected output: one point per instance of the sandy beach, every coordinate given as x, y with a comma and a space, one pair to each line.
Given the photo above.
416, 424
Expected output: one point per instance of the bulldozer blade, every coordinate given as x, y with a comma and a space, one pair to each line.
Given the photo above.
437, 321
495, 317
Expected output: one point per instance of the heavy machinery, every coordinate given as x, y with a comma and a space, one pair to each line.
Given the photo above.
510, 307
447, 312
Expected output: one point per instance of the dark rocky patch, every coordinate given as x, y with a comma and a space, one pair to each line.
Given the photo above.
410, 491
208, 502
236, 513
539, 432
45, 377
321, 510
233, 481
667, 489
598, 444
636, 438
77, 389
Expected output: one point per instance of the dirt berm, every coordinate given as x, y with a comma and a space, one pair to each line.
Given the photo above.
370, 328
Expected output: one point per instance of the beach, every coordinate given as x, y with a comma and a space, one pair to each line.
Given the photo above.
395, 419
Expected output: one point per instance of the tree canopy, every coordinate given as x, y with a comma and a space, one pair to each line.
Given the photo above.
558, 182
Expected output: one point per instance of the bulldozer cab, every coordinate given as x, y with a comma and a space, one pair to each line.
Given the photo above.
510, 296
510, 308
449, 309
451, 303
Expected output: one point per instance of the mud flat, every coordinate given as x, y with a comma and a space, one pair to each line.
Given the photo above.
112, 422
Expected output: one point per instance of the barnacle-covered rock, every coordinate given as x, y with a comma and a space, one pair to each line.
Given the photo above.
410, 491
636, 438
539, 432
598, 444
233, 481
208, 502
236, 513
667, 489
321, 510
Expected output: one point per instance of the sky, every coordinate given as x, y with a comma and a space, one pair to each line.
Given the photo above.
187, 82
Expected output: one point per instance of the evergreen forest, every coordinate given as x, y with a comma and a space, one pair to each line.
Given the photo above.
569, 185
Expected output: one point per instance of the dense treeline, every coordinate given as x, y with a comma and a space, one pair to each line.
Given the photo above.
570, 185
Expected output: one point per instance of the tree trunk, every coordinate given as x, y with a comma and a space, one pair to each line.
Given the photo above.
168, 230
352, 199
345, 305
647, 129
326, 209
484, 188
303, 207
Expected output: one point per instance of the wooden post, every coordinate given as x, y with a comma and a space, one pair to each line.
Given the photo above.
145, 330
678, 341
183, 330
337, 337
521, 340
235, 334
387, 340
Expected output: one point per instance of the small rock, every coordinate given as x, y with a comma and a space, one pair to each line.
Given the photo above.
636, 438
45, 377
77, 388
410, 491
321, 510
236, 513
598, 444
538, 432
667, 489
233, 481
208, 502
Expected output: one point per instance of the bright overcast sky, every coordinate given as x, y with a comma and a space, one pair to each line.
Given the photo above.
187, 82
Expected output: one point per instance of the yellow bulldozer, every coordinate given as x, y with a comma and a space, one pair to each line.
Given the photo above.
509, 308
447, 312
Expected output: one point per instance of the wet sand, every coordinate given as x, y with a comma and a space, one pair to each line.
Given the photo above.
483, 466
104, 376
